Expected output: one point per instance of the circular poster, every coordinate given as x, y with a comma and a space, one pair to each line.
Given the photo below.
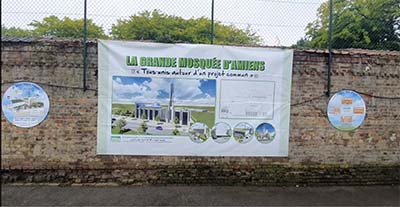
346, 110
265, 133
25, 104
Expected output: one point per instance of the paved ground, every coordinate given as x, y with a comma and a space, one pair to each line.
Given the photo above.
201, 195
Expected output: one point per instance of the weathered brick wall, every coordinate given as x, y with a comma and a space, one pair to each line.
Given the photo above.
63, 147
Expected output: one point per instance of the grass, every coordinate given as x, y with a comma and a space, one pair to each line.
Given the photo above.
123, 107
208, 108
131, 132
207, 118
116, 130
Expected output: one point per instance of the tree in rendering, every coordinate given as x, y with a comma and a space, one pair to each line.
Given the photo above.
120, 124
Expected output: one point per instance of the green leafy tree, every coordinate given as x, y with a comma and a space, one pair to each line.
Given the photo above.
161, 27
175, 132
203, 137
120, 124
37, 104
176, 120
158, 119
302, 43
52, 26
127, 112
15, 32
117, 112
143, 128
368, 24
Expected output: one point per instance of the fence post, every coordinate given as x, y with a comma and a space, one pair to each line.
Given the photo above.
84, 45
328, 93
212, 22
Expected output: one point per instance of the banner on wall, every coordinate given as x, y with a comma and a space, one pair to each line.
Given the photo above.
194, 100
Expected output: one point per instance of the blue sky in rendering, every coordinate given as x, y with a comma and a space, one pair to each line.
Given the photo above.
24, 90
266, 127
156, 90
336, 101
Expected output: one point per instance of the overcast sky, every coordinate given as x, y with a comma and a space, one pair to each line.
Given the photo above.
278, 22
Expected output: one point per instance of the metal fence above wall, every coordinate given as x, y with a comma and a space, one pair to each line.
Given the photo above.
368, 24
322, 24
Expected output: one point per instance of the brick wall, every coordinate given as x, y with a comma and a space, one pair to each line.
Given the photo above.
63, 147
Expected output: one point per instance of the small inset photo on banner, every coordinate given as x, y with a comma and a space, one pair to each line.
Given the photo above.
221, 132
265, 133
199, 132
243, 132
25, 104
346, 110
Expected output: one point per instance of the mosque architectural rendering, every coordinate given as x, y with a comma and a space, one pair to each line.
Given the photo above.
169, 114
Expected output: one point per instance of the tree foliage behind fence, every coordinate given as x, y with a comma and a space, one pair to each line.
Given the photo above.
367, 24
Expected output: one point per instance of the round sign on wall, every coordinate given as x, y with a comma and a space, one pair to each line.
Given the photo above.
25, 104
346, 110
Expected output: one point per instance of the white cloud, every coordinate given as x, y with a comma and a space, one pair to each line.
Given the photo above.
120, 88
183, 89
210, 101
17, 91
186, 92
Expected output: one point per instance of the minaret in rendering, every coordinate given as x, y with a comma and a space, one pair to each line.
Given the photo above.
171, 109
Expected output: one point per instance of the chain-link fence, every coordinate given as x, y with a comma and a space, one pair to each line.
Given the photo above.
369, 24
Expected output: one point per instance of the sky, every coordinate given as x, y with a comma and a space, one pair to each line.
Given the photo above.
278, 22
156, 90
221, 128
265, 127
22, 90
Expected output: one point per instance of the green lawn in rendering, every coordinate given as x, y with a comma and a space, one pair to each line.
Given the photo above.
207, 118
116, 130
123, 108
204, 117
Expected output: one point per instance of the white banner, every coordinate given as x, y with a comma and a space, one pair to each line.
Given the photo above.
194, 100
